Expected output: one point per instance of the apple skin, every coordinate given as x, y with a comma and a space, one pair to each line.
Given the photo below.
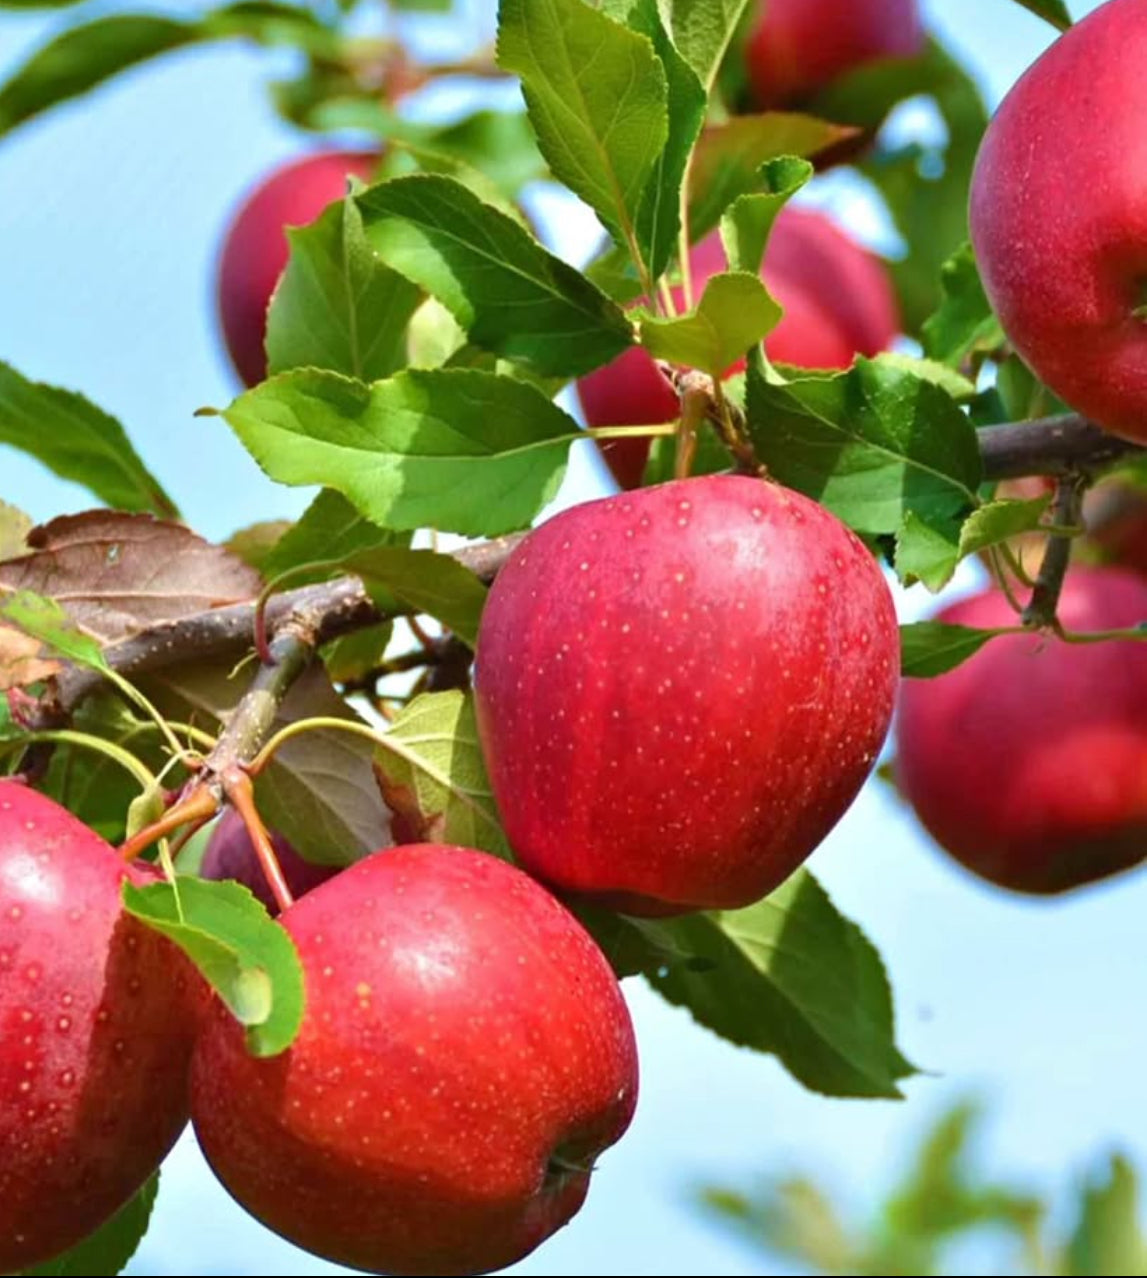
796, 47
1028, 762
462, 1033
680, 690
255, 249
98, 1016
1059, 217
837, 300
231, 855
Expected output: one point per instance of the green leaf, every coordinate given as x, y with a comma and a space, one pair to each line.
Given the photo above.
999, 521
927, 551
336, 305
435, 782
38, 4
113, 1244
46, 621
500, 144
1053, 11
729, 159
326, 534
511, 296
410, 452
734, 313
965, 322
430, 583
925, 188
872, 444
659, 214
79, 442
930, 648
81, 58
246, 957
702, 30
793, 977
1108, 1238
748, 221
598, 97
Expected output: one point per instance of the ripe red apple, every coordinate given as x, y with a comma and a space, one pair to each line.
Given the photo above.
231, 855
1059, 217
1028, 763
465, 1056
97, 1021
837, 300
680, 691
255, 250
796, 47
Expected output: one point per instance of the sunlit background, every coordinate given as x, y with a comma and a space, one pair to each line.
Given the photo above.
111, 213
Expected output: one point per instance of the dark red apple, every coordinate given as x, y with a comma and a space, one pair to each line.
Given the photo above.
1059, 217
1028, 763
837, 300
465, 1056
680, 691
796, 47
230, 855
97, 1021
255, 250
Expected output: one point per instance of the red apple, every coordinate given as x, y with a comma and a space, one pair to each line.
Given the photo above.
97, 1021
796, 47
680, 691
837, 301
465, 1056
1028, 763
255, 250
1059, 217
231, 855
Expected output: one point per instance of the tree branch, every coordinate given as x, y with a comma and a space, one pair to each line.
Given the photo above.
1048, 446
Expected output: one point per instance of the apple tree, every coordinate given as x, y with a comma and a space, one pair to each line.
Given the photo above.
596, 749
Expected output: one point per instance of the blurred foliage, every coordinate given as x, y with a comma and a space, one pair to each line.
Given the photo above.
943, 1200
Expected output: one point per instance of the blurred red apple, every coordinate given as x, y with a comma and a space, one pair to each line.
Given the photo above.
796, 47
1028, 762
98, 1016
255, 250
680, 690
837, 300
1059, 217
230, 854
465, 1056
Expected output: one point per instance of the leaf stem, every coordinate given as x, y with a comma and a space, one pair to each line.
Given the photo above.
237, 786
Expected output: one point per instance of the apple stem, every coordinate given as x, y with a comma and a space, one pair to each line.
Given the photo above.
241, 794
1067, 516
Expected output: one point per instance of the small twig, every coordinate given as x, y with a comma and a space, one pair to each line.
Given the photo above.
1062, 445
1066, 508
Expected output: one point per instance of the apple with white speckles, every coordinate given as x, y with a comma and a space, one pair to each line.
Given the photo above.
97, 1022
680, 690
1058, 217
465, 1056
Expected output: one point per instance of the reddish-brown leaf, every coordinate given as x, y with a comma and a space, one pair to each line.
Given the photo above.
117, 574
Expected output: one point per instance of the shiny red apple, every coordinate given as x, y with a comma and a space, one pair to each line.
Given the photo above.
796, 47
1059, 217
1028, 762
231, 855
97, 1021
837, 300
255, 250
680, 690
465, 1056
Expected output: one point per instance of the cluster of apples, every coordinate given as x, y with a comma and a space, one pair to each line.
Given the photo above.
466, 1052
1029, 761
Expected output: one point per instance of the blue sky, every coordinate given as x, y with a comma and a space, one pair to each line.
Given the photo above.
110, 217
